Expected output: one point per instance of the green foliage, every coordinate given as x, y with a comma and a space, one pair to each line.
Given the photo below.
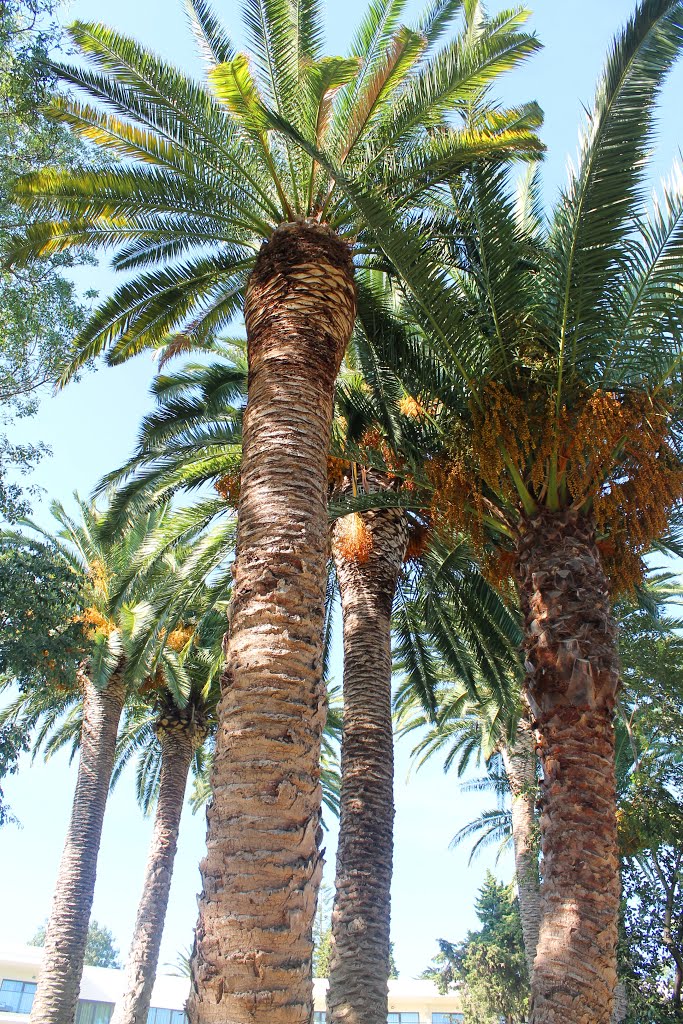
322, 932
393, 969
489, 967
322, 954
41, 598
13, 742
650, 816
100, 950
39, 309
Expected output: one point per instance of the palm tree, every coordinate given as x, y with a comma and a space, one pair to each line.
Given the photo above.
386, 562
468, 728
206, 176
554, 359
93, 709
170, 735
368, 559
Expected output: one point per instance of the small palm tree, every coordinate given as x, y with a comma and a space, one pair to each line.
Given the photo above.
228, 205
468, 728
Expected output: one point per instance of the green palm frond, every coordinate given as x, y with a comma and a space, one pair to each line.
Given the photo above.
212, 40
491, 827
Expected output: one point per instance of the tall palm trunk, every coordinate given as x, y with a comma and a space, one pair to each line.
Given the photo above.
359, 967
67, 930
571, 687
252, 962
519, 760
178, 741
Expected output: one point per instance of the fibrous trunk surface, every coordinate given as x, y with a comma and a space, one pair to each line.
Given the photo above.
571, 686
67, 930
177, 748
253, 951
519, 759
359, 967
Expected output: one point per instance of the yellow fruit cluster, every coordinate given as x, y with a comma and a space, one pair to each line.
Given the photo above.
337, 471
178, 638
411, 407
612, 457
418, 539
352, 539
98, 624
228, 487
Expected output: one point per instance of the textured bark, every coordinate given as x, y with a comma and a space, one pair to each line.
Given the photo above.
252, 962
519, 759
359, 968
571, 686
67, 929
178, 740
620, 1003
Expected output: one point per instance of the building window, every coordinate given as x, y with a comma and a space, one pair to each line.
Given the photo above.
159, 1015
17, 996
403, 1018
89, 1011
448, 1018
318, 1017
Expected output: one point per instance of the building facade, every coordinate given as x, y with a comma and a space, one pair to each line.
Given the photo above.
410, 1002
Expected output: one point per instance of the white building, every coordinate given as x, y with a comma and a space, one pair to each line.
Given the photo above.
410, 1002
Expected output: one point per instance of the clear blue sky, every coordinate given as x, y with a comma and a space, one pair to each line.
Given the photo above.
91, 428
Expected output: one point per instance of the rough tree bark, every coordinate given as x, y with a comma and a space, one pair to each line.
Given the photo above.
252, 962
571, 686
519, 760
359, 968
179, 737
67, 930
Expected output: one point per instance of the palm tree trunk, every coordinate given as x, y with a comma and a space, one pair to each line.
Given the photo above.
252, 962
177, 748
67, 930
359, 967
519, 759
571, 686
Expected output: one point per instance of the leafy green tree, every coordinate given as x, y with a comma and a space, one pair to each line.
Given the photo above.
489, 967
42, 639
100, 950
322, 954
40, 311
42, 635
14, 741
650, 816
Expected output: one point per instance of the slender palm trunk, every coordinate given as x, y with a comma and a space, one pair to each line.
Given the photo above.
67, 930
359, 967
519, 759
178, 742
252, 962
571, 687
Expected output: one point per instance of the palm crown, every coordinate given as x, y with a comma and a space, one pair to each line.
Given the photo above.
553, 363
203, 177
